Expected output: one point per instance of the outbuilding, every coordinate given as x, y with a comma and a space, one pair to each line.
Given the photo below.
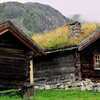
16, 57
70, 63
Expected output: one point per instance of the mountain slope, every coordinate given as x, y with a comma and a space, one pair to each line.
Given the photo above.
32, 17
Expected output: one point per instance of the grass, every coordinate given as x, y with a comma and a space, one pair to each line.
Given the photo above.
59, 95
55, 39
66, 95
11, 94
10, 98
61, 37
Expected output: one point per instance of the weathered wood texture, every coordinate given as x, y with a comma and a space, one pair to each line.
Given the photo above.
54, 68
14, 61
16, 51
87, 64
77, 66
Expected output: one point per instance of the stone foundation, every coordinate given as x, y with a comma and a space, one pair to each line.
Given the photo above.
83, 85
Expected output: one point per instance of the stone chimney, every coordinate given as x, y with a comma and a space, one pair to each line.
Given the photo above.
75, 28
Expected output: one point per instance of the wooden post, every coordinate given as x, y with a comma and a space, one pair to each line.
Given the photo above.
77, 66
28, 89
31, 72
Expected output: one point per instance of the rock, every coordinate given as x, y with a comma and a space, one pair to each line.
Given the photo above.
89, 87
61, 86
47, 87
53, 86
72, 77
36, 87
41, 88
83, 85
58, 85
66, 87
86, 85
96, 87
83, 88
77, 84
69, 83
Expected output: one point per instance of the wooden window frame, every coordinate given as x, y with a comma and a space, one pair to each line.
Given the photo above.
96, 59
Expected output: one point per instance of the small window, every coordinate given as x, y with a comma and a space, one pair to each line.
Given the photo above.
97, 61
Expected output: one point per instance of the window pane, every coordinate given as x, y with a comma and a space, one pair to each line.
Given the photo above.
97, 61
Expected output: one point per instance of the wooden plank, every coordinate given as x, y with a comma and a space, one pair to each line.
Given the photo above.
31, 72
11, 58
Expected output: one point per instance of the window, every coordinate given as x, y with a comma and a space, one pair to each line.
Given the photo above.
97, 61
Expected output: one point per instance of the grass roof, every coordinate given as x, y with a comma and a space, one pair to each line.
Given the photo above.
61, 37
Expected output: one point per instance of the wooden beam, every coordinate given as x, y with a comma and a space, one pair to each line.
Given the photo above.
31, 72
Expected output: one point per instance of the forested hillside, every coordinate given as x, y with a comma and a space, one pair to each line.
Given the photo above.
32, 17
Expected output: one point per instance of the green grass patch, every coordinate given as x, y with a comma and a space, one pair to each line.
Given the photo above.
10, 98
58, 95
66, 95
5, 91
11, 94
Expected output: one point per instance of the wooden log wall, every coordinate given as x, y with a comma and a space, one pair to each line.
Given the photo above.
87, 63
54, 68
14, 61
13, 65
77, 66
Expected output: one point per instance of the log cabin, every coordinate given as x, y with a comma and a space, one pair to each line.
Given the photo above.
22, 61
70, 63
16, 57
57, 66
89, 50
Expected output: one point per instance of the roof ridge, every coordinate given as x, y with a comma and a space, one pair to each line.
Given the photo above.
8, 24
